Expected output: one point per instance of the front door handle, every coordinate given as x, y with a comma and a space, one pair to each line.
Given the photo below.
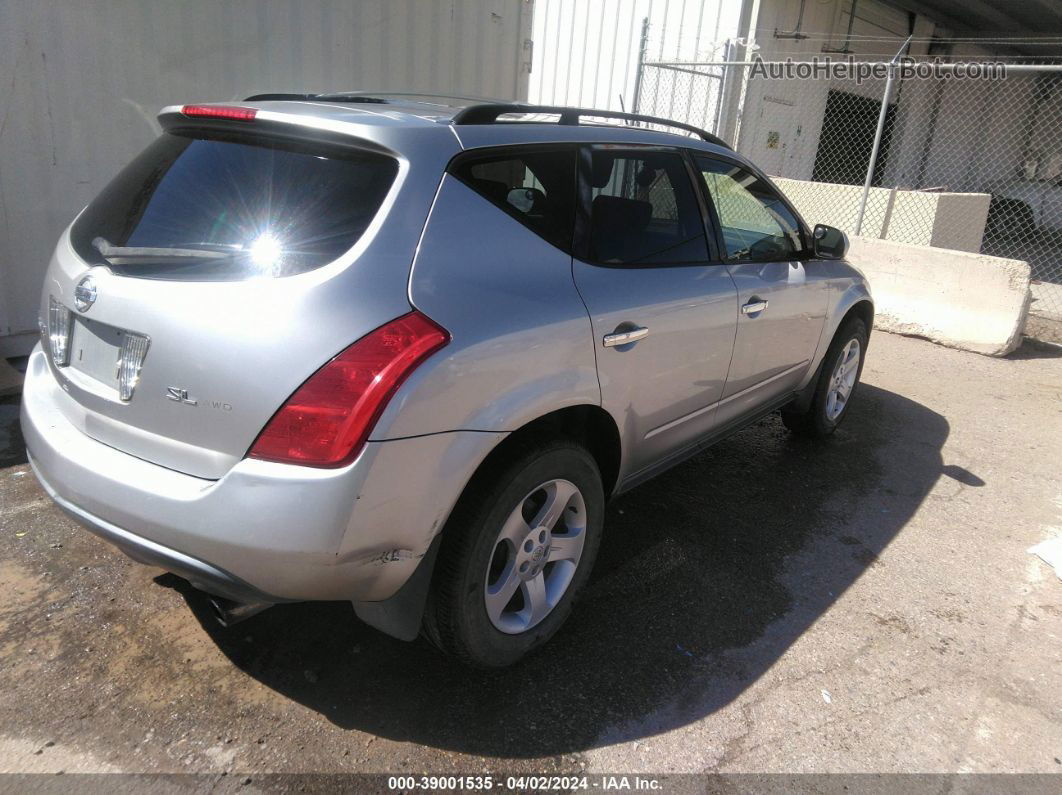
753, 307
625, 337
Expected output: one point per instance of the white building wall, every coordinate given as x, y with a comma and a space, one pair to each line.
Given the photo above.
586, 51
795, 109
960, 134
932, 144
80, 84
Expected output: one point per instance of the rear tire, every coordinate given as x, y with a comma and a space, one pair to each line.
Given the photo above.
515, 553
837, 383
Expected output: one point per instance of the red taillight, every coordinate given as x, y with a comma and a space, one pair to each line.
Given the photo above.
326, 422
220, 112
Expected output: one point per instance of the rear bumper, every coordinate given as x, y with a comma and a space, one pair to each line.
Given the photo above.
264, 531
201, 574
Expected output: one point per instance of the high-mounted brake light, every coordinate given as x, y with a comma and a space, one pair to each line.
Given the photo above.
220, 112
329, 418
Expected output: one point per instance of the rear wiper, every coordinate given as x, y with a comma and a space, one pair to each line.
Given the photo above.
143, 255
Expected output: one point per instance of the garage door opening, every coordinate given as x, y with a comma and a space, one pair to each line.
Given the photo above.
847, 138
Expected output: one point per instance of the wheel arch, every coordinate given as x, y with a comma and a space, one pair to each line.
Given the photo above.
864, 310
587, 424
854, 300
590, 425
856, 303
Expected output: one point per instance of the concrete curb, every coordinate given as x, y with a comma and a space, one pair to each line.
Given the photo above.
961, 300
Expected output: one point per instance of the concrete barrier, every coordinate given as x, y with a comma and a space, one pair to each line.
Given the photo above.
962, 300
1045, 313
922, 218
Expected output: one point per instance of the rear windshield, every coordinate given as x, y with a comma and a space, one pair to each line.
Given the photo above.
227, 208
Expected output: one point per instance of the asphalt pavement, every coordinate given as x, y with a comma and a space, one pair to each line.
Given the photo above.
866, 604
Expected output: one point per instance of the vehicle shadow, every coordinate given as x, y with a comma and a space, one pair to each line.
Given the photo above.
1035, 349
706, 576
12, 447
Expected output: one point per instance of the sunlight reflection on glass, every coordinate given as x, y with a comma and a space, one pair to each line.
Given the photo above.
266, 252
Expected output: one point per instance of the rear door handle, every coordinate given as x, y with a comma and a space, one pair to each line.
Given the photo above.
625, 337
753, 307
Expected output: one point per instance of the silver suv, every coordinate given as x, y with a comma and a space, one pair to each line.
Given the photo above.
401, 351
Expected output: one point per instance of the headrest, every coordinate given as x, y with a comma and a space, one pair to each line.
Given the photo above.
620, 215
493, 188
602, 169
645, 176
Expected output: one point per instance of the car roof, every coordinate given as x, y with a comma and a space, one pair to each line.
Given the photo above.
474, 122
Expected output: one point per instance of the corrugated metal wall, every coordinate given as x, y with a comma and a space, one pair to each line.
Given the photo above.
81, 83
586, 51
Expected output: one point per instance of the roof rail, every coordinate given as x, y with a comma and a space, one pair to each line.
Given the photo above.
489, 113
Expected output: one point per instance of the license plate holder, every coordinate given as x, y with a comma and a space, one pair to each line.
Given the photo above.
96, 350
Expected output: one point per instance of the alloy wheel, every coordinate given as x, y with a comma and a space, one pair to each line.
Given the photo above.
535, 556
843, 380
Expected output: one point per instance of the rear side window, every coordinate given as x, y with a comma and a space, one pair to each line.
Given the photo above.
643, 210
227, 208
536, 187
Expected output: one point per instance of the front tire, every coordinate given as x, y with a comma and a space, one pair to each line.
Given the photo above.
841, 369
517, 550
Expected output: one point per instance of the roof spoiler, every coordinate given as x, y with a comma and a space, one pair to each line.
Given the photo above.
315, 98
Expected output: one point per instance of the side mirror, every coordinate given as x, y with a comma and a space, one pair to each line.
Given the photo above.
829, 242
525, 199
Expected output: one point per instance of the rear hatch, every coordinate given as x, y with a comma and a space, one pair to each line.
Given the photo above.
210, 278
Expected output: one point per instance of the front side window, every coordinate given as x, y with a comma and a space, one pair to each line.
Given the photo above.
643, 210
228, 207
536, 187
756, 224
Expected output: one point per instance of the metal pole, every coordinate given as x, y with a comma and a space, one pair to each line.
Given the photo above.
720, 94
882, 115
737, 58
636, 104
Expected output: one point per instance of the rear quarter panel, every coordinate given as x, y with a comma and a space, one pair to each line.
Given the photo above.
522, 343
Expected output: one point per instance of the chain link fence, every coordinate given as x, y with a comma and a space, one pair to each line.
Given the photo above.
689, 93
966, 156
